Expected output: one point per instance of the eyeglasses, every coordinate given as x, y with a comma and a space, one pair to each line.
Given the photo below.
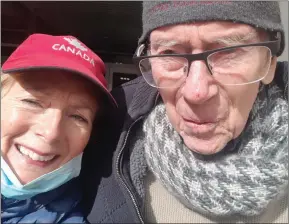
236, 65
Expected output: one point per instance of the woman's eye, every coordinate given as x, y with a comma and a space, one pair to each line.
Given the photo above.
30, 102
79, 118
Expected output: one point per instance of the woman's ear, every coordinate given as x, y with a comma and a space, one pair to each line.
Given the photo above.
270, 76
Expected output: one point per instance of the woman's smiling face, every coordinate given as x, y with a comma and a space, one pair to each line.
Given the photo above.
46, 121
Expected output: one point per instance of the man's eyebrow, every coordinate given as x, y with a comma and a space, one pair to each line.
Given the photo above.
237, 39
165, 43
230, 40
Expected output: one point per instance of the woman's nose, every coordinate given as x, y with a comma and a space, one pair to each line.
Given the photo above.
198, 86
49, 126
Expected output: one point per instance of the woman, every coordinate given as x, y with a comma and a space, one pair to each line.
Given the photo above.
53, 88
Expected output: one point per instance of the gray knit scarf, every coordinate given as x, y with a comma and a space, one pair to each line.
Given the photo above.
240, 181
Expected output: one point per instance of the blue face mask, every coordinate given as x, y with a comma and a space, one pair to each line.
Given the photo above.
11, 187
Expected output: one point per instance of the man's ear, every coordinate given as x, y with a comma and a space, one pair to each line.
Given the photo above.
270, 76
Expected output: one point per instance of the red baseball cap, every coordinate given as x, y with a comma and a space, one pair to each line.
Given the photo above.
58, 52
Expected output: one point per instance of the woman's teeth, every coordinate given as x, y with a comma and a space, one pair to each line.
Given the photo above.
33, 155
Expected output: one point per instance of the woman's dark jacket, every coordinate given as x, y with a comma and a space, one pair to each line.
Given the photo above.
60, 205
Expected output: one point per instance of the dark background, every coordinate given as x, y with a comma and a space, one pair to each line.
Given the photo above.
109, 28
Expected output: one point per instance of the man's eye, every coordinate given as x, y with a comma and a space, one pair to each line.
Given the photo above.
79, 118
168, 51
31, 102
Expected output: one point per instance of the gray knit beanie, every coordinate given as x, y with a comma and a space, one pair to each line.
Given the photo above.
260, 14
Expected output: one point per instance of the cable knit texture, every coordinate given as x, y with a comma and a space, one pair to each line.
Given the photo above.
163, 207
241, 181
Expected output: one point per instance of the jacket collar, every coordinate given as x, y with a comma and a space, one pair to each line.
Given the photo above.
143, 100
14, 206
281, 77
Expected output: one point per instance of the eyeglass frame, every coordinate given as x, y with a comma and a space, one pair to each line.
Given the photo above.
273, 45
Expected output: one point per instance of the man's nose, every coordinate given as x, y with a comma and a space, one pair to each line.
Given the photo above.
49, 125
198, 86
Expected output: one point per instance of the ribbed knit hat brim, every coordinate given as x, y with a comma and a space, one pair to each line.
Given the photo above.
259, 14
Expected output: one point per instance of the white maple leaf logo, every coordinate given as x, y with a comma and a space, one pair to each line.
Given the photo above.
75, 43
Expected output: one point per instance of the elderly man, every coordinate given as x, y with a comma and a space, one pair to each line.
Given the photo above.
205, 132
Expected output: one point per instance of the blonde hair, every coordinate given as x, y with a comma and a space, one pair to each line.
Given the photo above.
7, 81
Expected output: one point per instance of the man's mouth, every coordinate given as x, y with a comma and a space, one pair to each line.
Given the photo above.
34, 156
198, 122
198, 127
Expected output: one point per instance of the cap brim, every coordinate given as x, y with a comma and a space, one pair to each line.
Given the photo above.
35, 63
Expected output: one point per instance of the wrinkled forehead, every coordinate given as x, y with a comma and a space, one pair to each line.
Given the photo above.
205, 32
